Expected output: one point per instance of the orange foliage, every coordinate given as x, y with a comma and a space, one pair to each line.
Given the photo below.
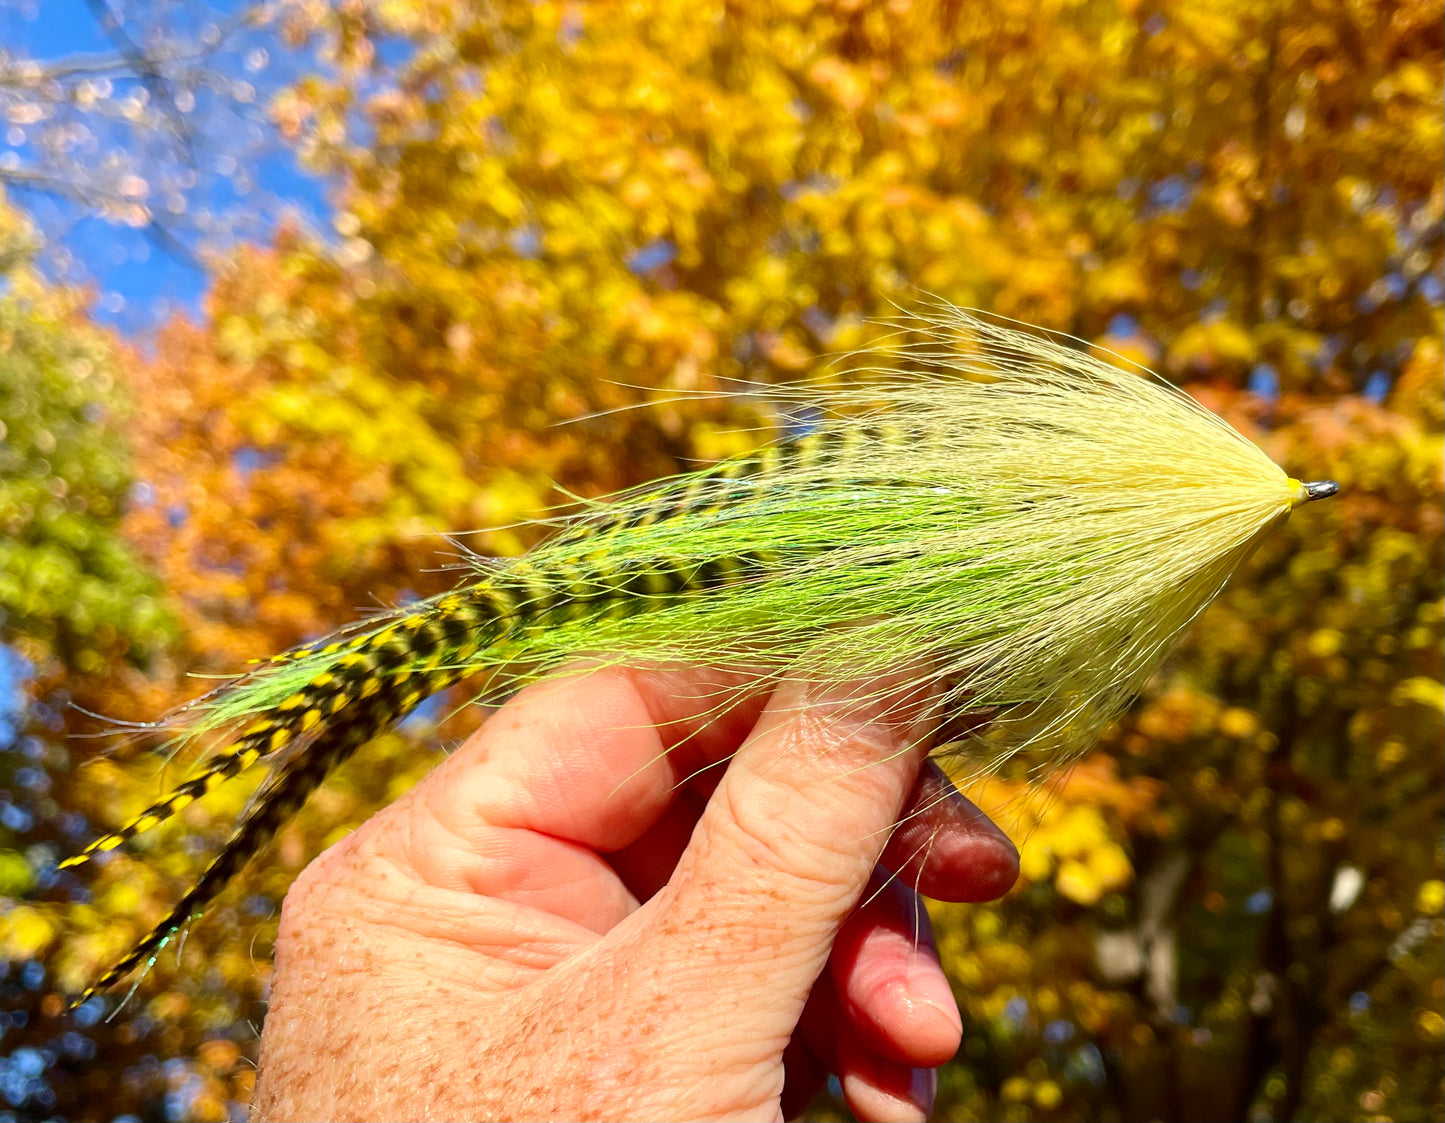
555, 213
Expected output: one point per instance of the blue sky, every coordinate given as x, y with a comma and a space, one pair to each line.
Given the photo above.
136, 280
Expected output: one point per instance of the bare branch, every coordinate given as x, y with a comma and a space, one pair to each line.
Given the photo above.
98, 198
147, 70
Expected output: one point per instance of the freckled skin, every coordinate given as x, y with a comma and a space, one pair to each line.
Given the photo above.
568, 921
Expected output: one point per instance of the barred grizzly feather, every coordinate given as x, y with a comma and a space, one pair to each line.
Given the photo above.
1035, 525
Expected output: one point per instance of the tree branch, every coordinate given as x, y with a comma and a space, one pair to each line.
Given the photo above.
148, 72
160, 234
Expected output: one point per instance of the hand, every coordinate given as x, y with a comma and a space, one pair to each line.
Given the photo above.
577, 917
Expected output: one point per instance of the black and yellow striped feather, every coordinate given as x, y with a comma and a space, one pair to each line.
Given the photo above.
1033, 525
369, 683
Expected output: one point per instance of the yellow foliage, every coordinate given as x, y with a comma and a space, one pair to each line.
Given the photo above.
1048, 1095
560, 234
1423, 691
26, 932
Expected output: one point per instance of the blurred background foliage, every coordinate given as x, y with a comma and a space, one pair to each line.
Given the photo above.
549, 212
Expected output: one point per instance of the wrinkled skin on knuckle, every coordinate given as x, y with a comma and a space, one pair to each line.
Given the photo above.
756, 836
848, 735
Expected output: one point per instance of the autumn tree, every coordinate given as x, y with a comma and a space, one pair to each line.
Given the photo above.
552, 214
1271, 945
80, 614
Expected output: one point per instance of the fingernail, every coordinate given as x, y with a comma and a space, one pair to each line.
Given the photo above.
928, 988
922, 1088
989, 832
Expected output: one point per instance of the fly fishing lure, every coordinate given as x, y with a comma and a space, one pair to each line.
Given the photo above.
1035, 525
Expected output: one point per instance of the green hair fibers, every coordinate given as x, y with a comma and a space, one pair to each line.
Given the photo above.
1034, 525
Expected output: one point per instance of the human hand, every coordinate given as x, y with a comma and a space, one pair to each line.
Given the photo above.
575, 917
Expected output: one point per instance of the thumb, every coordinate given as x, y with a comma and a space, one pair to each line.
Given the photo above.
786, 844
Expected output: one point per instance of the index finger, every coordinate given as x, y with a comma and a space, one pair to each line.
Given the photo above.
595, 757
